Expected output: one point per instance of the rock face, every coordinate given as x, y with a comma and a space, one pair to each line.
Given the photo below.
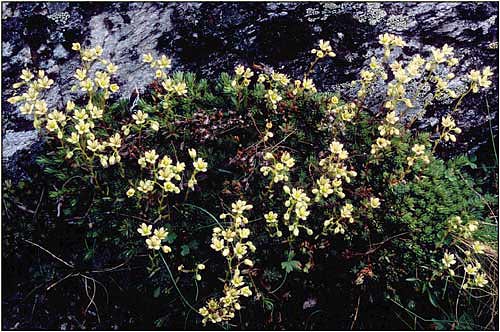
209, 38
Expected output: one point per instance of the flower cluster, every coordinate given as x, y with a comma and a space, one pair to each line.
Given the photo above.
268, 133
335, 172
173, 87
154, 237
386, 130
297, 206
274, 79
449, 129
390, 41
272, 224
325, 49
468, 263
199, 165
443, 55
30, 100
465, 229
343, 111
336, 225
369, 76
306, 85
396, 89
234, 245
141, 120
165, 174
243, 76
100, 81
273, 98
479, 79
418, 154
277, 169
77, 125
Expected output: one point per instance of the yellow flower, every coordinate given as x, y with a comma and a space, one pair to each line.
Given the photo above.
130, 192
200, 165
391, 118
82, 127
166, 249
217, 244
418, 149
26, 75
239, 70
180, 89
102, 79
480, 280
203, 311
240, 206
51, 125
147, 58
45, 82
164, 62
153, 243
111, 68
273, 96
302, 212
145, 230
308, 84
168, 85
145, 186
367, 76
74, 138
478, 247
86, 85
346, 211
26, 108
151, 156
385, 39
470, 269
115, 141
154, 125
114, 88
159, 73
161, 233
170, 187
237, 280
81, 74
448, 260
41, 107
76, 46
93, 145
374, 202
140, 117
98, 50
271, 217
287, 160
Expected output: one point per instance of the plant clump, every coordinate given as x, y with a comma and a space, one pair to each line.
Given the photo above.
318, 183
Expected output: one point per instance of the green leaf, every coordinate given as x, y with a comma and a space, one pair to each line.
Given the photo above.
289, 266
185, 250
171, 237
433, 299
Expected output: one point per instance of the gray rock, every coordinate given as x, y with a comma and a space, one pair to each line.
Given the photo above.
209, 38
17, 141
60, 52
